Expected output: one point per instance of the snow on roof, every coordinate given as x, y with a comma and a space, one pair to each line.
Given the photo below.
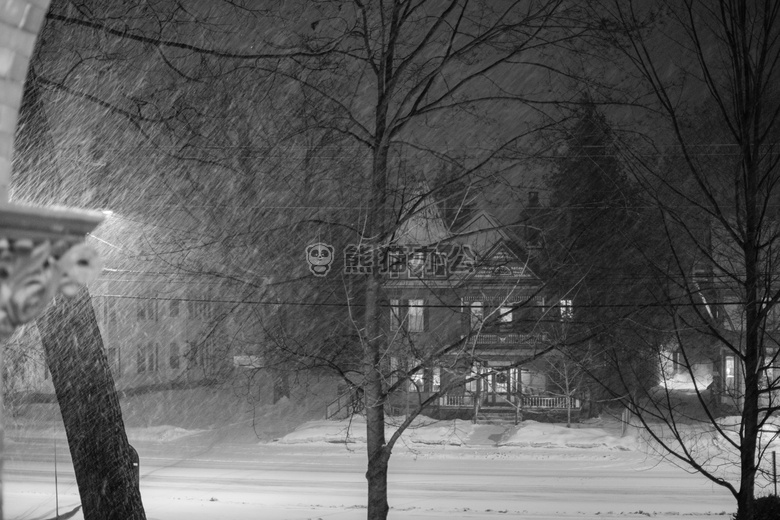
425, 226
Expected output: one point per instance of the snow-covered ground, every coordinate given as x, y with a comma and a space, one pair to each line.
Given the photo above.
439, 470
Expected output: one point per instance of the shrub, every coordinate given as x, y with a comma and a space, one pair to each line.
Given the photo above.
767, 508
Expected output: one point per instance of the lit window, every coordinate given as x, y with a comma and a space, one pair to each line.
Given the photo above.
417, 379
730, 373
416, 316
474, 376
505, 314
436, 382
567, 310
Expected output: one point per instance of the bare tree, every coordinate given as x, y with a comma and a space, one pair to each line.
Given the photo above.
703, 79
400, 73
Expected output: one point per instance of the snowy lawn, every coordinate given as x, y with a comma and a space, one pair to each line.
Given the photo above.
451, 469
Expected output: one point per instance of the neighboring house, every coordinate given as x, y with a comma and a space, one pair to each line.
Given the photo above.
708, 360
159, 329
466, 310
158, 326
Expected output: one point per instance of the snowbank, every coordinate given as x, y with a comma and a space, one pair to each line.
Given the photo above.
165, 433
529, 434
544, 435
423, 430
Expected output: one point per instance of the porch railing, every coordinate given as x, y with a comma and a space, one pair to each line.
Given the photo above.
512, 338
344, 405
538, 402
456, 400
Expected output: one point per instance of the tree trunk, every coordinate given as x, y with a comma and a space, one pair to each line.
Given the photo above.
750, 405
374, 343
90, 411
378, 451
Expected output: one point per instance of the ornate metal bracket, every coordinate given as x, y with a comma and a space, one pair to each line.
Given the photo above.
42, 253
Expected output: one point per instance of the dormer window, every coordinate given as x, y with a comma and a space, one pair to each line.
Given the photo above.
396, 261
417, 263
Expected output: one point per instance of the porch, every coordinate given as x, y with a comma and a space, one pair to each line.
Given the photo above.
508, 408
490, 406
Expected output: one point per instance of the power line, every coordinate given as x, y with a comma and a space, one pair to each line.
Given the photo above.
427, 306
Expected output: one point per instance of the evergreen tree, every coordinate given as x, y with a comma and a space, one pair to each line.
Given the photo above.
599, 238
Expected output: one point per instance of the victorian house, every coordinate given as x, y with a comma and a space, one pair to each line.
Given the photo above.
467, 321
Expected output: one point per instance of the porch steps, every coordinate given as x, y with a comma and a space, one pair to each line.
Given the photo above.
498, 417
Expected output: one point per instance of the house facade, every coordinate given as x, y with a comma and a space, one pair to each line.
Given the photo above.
467, 323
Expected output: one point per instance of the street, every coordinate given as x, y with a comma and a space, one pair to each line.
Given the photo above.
300, 482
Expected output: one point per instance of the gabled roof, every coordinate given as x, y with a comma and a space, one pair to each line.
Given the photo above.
482, 232
501, 256
502, 263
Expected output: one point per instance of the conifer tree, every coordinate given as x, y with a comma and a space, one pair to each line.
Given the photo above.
600, 236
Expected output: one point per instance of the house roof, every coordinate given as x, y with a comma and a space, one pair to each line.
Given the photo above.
425, 226
497, 255
482, 232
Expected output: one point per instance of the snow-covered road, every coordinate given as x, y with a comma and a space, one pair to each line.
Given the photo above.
318, 480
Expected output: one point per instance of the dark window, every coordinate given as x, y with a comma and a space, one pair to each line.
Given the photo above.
173, 308
173, 359
147, 310
397, 315
151, 357
140, 359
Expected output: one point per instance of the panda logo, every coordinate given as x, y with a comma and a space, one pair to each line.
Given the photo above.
319, 256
